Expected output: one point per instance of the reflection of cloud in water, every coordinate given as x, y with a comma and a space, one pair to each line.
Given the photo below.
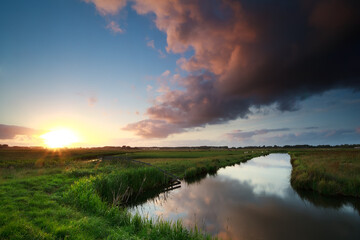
233, 209
272, 180
271, 161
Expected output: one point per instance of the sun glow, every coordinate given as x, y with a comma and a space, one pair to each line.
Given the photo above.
59, 138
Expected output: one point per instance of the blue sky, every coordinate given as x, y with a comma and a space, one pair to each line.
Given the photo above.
62, 65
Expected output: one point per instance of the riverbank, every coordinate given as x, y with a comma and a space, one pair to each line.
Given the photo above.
78, 199
48, 194
329, 172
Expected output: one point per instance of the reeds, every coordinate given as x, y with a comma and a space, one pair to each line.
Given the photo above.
327, 172
101, 195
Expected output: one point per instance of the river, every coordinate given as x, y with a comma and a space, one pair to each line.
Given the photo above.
254, 200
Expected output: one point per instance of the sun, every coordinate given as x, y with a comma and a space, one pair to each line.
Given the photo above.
59, 138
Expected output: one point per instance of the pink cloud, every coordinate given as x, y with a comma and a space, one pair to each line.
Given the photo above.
187, 25
153, 128
150, 43
166, 73
108, 6
114, 27
92, 100
149, 88
161, 53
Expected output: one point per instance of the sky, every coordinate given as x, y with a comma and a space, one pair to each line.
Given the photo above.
180, 72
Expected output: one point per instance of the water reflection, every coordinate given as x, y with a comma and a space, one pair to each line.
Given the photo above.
254, 201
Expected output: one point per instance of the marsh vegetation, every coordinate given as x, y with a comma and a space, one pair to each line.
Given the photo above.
329, 172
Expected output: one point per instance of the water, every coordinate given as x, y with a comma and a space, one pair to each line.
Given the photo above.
255, 200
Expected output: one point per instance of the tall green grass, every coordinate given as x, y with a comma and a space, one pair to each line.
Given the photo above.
95, 195
120, 187
331, 172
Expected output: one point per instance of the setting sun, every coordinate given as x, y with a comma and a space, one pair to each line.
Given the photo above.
59, 138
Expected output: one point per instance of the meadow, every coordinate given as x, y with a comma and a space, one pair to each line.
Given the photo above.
327, 171
73, 194
69, 197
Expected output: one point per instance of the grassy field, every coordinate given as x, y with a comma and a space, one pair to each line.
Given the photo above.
329, 172
47, 194
67, 197
38, 157
190, 164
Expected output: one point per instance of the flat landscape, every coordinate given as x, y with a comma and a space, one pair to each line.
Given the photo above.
78, 194
180, 119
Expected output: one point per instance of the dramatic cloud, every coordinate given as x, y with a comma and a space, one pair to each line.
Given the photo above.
251, 53
10, 131
241, 135
254, 54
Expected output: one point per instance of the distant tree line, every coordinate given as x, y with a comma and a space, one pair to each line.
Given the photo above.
306, 146
124, 147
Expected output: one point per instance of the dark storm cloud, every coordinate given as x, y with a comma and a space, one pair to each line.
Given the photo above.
10, 131
241, 135
326, 136
311, 128
345, 136
252, 53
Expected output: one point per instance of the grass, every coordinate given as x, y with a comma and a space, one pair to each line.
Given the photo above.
67, 197
71, 198
193, 163
85, 196
18, 157
65, 206
329, 172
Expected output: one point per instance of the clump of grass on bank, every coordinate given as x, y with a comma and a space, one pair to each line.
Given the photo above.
88, 195
331, 172
200, 170
122, 186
